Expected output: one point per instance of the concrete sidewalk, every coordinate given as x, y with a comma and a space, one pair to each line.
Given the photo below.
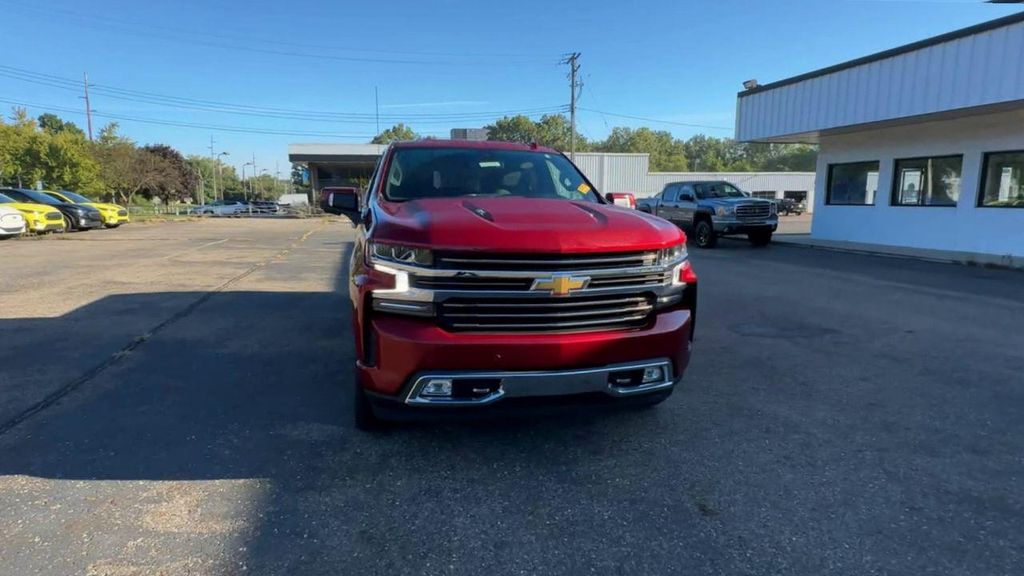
952, 256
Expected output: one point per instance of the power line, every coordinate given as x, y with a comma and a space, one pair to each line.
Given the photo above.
594, 98
656, 120
259, 111
207, 127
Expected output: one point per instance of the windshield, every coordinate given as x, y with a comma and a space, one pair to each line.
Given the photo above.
719, 190
453, 172
75, 197
32, 196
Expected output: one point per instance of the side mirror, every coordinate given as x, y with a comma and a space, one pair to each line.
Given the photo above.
624, 199
686, 197
343, 200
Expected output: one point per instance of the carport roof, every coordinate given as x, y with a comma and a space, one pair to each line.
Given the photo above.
335, 153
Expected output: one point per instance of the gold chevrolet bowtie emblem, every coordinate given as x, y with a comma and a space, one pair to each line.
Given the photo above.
561, 284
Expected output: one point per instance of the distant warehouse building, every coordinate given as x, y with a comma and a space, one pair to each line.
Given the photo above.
352, 165
920, 146
631, 173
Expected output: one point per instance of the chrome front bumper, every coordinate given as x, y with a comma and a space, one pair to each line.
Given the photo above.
495, 386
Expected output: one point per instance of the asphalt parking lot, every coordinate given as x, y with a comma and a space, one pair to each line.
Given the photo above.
173, 401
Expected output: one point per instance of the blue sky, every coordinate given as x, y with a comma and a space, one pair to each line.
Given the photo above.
437, 65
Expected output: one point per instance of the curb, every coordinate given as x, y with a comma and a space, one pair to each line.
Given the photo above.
918, 257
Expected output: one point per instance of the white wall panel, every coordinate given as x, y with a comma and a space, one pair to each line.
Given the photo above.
964, 227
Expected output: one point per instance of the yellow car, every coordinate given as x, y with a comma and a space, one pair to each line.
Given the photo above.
38, 217
112, 214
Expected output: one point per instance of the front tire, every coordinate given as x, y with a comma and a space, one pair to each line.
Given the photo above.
760, 238
704, 234
362, 411
69, 226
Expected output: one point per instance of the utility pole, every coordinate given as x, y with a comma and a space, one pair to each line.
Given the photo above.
255, 173
574, 67
213, 167
88, 108
376, 106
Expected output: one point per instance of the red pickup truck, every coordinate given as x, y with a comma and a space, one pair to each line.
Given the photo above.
489, 274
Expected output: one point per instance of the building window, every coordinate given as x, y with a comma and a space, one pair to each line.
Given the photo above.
927, 181
767, 195
852, 184
1002, 184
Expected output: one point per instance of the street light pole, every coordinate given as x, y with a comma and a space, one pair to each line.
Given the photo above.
221, 174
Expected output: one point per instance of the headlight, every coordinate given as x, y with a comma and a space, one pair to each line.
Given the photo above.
673, 254
774, 209
401, 254
725, 210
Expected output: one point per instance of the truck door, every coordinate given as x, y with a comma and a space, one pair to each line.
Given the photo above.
667, 205
687, 205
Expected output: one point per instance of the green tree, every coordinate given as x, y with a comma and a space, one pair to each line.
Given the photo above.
666, 152
551, 130
49, 151
68, 163
397, 133
179, 183
108, 135
708, 154
792, 158
22, 150
53, 124
513, 129
298, 175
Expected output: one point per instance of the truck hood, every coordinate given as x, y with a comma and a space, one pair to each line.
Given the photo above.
518, 225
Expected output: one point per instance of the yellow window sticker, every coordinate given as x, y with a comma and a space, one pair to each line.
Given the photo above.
583, 188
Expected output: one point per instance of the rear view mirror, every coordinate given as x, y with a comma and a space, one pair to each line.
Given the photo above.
343, 200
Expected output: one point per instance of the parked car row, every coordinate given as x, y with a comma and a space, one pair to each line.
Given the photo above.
236, 208
35, 211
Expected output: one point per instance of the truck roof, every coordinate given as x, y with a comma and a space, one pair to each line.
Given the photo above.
698, 182
478, 144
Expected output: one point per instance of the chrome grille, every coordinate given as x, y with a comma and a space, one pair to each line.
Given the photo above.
508, 283
572, 314
471, 283
54, 216
758, 211
544, 262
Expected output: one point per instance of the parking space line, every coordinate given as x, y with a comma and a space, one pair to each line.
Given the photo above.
200, 247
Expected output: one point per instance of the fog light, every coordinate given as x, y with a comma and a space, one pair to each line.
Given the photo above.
437, 387
653, 374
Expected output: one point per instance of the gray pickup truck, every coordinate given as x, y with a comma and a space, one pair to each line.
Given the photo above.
707, 210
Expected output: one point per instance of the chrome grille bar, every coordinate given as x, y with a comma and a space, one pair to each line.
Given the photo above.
463, 261
551, 314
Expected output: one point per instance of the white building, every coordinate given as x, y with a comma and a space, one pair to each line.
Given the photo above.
919, 146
